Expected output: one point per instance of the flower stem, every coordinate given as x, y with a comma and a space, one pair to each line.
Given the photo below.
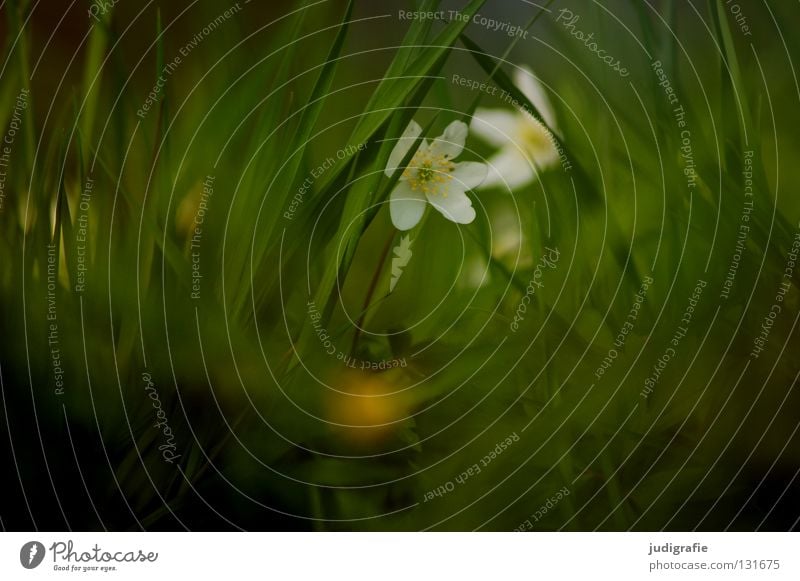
371, 291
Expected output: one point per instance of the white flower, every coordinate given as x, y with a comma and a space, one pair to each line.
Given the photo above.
525, 144
432, 177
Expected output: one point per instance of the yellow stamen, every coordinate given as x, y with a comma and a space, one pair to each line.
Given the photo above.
429, 172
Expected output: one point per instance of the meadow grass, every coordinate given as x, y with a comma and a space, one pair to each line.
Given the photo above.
241, 371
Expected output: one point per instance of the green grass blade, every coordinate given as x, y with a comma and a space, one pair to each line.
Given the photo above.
392, 92
474, 106
281, 188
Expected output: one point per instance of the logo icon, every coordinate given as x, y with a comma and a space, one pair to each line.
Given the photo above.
31, 554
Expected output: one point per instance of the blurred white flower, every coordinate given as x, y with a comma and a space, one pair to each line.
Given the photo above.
525, 144
432, 177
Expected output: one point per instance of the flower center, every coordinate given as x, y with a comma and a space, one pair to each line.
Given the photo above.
536, 138
429, 174
425, 173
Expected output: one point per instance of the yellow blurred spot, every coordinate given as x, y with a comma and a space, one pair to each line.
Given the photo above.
367, 408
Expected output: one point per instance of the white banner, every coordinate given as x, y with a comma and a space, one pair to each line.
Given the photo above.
407, 557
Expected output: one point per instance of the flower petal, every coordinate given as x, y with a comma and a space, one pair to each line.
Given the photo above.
402, 146
509, 168
406, 206
495, 126
456, 207
451, 142
469, 174
530, 86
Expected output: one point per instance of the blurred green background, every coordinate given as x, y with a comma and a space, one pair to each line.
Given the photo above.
162, 373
